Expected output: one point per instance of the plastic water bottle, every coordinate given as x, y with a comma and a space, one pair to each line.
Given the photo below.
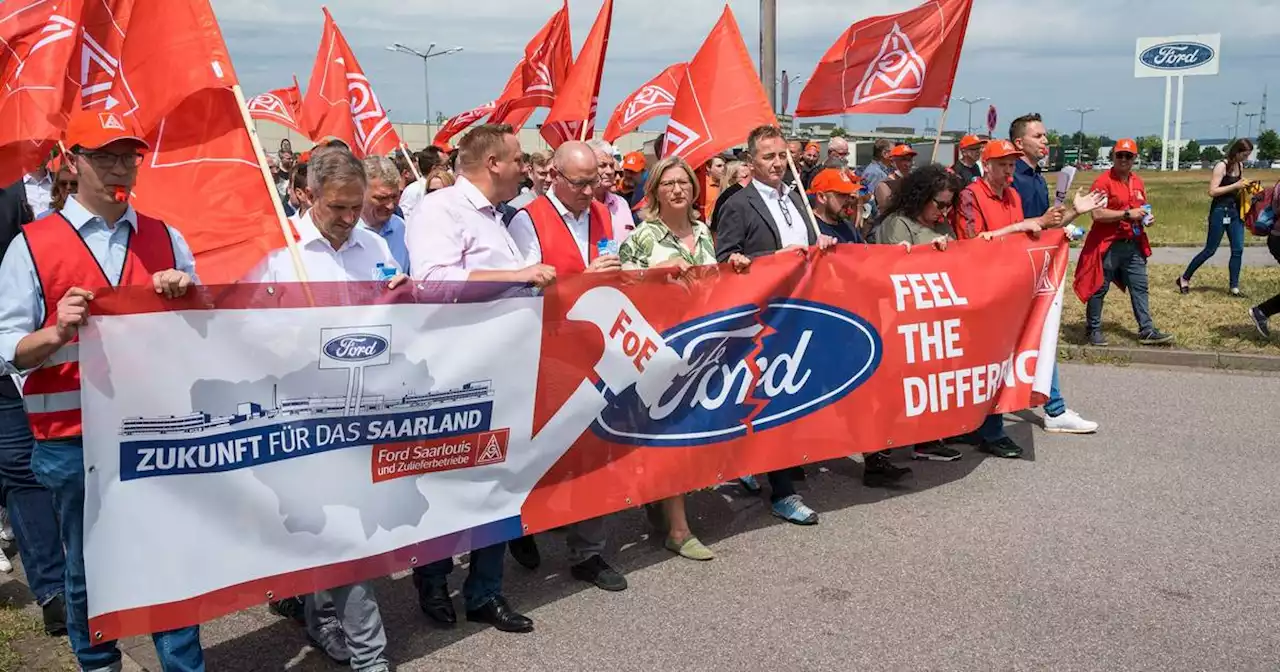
605, 246
1073, 232
383, 272
1146, 219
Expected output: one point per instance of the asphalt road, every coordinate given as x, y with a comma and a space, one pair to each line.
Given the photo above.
1150, 546
1254, 255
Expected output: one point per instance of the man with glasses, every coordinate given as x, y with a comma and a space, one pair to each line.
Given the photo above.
619, 211
379, 214
96, 240
563, 229
1117, 248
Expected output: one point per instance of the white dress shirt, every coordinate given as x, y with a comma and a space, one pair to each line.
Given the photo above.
412, 197
39, 191
356, 261
457, 230
526, 237
792, 226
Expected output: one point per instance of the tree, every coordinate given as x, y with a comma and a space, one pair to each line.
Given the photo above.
1190, 151
1269, 145
1211, 154
839, 132
1150, 146
1055, 138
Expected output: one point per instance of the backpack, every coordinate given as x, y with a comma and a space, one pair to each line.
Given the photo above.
1261, 217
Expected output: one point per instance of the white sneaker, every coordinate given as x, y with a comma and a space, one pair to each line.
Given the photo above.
1069, 422
5, 565
6, 532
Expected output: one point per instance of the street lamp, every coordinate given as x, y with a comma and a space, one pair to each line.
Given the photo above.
785, 84
1250, 116
1081, 111
970, 102
426, 73
1238, 104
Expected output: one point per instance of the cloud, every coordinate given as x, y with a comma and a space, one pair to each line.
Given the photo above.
1023, 54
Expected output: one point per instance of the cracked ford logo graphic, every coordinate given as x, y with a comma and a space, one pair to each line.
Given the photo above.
1176, 55
355, 347
748, 369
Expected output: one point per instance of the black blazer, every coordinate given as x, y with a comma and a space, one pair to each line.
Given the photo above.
746, 227
14, 212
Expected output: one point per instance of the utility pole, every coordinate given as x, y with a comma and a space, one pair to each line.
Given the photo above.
769, 50
1250, 116
426, 72
1238, 105
1081, 111
970, 102
1262, 123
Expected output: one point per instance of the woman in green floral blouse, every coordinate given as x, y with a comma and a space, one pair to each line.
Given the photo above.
671, 236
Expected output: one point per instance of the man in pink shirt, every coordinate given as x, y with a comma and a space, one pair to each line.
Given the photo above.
620, 213
456, 233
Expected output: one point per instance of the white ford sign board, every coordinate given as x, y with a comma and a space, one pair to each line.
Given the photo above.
1179, 55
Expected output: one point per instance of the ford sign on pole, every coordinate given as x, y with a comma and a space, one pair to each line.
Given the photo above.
1178, 55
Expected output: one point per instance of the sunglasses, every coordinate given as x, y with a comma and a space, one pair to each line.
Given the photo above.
942, 205
1126, 155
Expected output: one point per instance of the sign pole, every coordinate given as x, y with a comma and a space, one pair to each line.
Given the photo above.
1164, 130
1177, 125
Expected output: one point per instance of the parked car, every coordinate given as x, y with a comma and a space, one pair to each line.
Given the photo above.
1275, 165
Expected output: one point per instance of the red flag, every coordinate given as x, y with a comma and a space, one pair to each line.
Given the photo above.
654, 99
460, 123
502, 114
546, 63
720, 100
202, 177
38, 39
890, 64
340, 102
282, 106
576, 101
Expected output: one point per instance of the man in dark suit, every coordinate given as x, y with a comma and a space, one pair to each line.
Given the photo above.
769, 217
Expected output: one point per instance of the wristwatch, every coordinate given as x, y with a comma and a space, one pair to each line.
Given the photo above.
1127, 217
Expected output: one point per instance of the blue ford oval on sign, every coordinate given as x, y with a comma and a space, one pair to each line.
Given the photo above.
1176, 55
355, 347
810, 356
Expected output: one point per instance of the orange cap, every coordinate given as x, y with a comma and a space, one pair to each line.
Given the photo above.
999, 149
814, 146
95, 130
901, 151
304, 157
1126, 145
833, 179
971, 141
634, 162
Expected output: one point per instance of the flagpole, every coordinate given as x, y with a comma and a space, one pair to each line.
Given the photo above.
267, 180
942, 123
813, 220
413, 165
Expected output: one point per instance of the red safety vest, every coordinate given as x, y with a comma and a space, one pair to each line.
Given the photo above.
559, 248
62, 261
995, 210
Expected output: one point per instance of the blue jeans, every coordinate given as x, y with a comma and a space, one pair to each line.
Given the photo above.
1222, 219
59, 466
30, 505
1056, 405
484, 581
1125, 261
992, 429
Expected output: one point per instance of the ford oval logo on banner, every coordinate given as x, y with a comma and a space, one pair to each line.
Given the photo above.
810, 356
1176, 55
355, 347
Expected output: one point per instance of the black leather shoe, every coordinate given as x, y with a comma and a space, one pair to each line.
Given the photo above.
525, 551
436, 603
596, 571
55, 617
499, 614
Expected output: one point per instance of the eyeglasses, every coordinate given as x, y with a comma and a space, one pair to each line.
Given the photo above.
107, 160
837, 152
685, 185
70, 185
942, 205
581, 184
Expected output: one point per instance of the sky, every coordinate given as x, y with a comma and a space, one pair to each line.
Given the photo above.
1059, 55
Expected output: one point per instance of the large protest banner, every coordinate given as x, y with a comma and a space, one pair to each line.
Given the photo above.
257, 441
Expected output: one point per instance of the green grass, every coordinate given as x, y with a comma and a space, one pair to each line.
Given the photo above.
1180, 202
1206, 319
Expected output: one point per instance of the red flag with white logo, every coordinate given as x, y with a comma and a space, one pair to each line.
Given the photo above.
39, 38
460, 123
575, 103
720, 100
202, 177
502, 112
281, 106
546, 63
340, 101
654, 99
890, 64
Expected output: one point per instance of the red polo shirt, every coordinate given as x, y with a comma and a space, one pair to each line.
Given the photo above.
981, 209
1122, 194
